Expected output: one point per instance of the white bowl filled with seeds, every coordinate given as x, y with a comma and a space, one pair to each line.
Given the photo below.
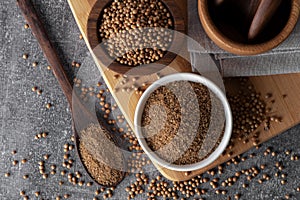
183, 122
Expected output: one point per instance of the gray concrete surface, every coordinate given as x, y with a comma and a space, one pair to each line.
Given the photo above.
23, 115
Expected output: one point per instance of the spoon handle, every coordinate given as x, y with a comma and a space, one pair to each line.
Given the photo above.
40, 33
264, 13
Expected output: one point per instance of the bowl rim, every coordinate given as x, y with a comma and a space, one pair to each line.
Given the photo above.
246, 49
188, 77
104, 58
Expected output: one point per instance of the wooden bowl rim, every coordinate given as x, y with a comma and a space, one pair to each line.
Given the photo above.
246, 49
93, 39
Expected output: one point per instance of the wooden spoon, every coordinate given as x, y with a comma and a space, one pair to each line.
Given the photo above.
81, 117
264, 13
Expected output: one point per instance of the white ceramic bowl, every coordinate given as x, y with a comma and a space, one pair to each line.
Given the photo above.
186, 77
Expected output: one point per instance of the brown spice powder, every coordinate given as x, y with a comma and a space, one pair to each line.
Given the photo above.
162, 120
102, 160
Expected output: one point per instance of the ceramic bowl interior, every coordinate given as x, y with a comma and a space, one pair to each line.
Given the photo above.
192, 78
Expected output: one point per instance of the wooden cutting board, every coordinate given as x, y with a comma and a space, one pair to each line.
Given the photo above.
287, 108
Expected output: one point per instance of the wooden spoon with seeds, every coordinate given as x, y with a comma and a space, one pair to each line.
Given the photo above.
82, 118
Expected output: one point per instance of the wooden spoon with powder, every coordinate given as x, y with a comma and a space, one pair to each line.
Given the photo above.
101, 157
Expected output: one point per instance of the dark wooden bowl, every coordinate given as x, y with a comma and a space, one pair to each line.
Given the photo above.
99, 51
231, 34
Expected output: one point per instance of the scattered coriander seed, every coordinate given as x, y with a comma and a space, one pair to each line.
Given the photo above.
63, 173
66, 196
77, 65
80, 183
25, 176
283, 182
34, 89
49, 67
39, 92
13, 152
26, 26
287, 196
46, 156
71, 147
15, 162
187, 173
48, 105
23, 161
89, 184
25, 56
80, 36
237, 196
7, 174
53, 167
37, 193
45, 176
298, 189
97, 192
25, 198
58, 198
22, 193
34, 64
66, 156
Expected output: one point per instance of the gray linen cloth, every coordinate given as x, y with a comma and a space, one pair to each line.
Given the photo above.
283, 59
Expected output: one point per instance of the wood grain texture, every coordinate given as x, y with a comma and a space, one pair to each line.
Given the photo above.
239, 48
263, 15
288, 108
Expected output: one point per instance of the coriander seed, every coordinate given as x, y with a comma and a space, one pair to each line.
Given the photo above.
34, 64
48, 105
25, 56
15, 162
37, 193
